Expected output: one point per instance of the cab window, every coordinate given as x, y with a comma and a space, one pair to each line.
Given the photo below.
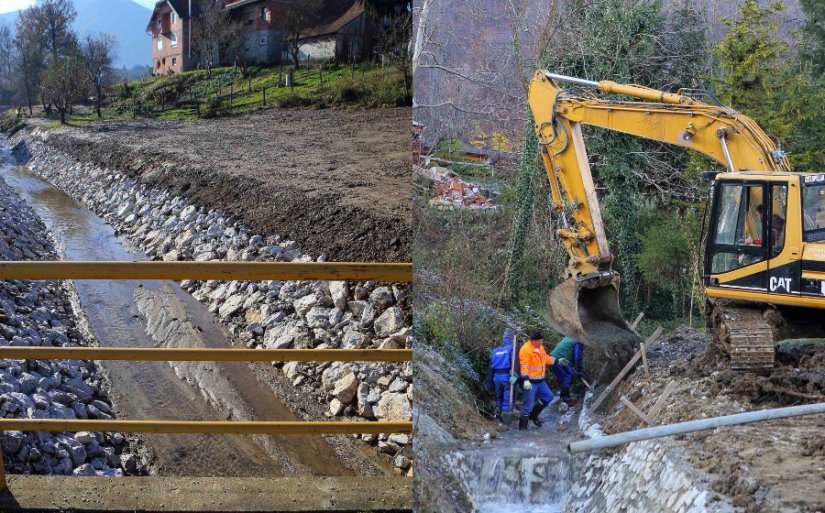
738, 235
813, 210
776, 221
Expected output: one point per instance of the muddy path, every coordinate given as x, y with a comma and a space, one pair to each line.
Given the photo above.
350, 166
153, 390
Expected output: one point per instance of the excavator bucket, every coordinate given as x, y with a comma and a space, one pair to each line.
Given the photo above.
587, 309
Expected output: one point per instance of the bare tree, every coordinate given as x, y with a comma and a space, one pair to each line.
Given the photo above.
395, 19
30, 59
43, 31
63, 81
7, 58
98, 52
55, 18
214, 35
298, 17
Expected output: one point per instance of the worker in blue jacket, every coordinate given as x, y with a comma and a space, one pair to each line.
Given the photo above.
500, 375
573, 352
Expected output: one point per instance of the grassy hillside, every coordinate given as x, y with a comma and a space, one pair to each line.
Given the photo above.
227, 91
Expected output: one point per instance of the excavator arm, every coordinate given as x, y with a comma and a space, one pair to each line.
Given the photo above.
586, 305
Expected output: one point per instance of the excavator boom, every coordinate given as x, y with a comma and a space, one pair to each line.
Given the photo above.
586, 305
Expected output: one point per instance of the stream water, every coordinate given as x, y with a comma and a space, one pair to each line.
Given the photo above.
518, 471
151, 390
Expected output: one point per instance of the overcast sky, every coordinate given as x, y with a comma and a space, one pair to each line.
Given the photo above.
14, 5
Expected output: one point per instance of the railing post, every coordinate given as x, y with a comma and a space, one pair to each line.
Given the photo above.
3, 485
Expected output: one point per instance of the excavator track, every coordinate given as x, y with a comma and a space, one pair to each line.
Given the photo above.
744, 334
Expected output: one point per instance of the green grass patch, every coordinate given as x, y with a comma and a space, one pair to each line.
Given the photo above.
11, 122
228, 91
71, 120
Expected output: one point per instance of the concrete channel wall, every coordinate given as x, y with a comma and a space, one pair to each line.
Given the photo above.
269, 314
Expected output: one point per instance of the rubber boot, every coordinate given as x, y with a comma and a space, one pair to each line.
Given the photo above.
522, 422
534, 415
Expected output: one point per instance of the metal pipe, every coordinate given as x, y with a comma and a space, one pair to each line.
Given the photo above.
572, 80
694, 425
207, 427
162, 354
146, 270
727, 154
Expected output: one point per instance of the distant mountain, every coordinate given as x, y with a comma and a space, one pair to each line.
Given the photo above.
124, 19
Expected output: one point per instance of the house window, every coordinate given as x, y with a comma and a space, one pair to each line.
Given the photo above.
158, 23
265, 13
262, 41
174, 61
164, 61
174, 38
160, 43
174, 17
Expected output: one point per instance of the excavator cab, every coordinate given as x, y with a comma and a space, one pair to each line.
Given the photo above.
764, 263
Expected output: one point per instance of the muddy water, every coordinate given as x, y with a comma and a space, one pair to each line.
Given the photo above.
151, 390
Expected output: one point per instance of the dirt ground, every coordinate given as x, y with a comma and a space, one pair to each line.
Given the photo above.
767, 466
336, 181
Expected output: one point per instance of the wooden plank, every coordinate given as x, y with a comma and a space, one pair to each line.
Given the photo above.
609, 388
638, 320
639, 413
660, 402
644, 359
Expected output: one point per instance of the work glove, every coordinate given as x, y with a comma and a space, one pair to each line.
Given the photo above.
527, 384
513, 380
563, 361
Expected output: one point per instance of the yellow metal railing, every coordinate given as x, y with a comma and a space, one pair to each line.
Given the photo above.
142, 270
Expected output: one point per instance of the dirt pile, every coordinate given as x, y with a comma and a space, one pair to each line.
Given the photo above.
337, 181
768, 466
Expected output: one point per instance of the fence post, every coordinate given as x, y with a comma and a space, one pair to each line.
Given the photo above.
321, 74
231, 90
264, 87
3, 484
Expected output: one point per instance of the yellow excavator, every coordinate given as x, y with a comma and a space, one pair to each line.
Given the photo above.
764, 262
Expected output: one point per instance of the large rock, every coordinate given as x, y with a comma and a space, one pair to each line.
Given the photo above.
346, 388
318, 317
353, 340
393, 406
231, 305
391, 321
339, 290
281, 336
381, 297
303, 305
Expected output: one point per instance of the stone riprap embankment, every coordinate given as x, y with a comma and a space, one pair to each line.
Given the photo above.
651, 475
40, 313
269, 314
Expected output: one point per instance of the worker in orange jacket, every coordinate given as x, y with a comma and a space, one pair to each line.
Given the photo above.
533, 362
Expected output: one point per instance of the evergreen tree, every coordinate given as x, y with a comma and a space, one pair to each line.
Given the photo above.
814, 49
